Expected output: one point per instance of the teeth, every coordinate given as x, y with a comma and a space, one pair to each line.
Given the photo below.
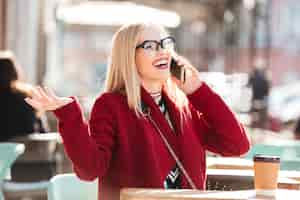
161, 62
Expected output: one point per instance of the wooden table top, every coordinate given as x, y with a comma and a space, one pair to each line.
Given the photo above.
228, 163
40, 137
238, 164
160, 194
286, 179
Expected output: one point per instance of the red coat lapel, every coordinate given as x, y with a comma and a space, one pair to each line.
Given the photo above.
160, 119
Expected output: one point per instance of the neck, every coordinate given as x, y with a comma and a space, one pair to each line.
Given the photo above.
154, 88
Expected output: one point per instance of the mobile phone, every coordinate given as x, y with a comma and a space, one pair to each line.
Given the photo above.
177, 71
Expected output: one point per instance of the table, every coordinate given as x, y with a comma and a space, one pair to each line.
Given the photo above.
232, 163
31, 171
39, 146
160, 194
243, 179
228, 163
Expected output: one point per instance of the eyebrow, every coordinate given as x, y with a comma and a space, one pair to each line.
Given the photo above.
151, 41
158, 41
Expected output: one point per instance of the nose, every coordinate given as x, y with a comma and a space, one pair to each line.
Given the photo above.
160, 49
163, 52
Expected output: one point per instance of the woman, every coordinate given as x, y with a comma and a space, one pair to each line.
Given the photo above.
17, 117
121, 145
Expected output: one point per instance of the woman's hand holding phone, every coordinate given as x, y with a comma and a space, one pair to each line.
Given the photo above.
44, 99
191, 81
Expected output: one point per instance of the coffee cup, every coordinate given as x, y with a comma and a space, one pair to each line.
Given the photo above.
266, 169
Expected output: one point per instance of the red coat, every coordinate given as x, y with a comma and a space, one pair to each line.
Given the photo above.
125, 151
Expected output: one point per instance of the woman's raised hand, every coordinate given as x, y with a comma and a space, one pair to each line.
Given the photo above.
44, 99
193, 80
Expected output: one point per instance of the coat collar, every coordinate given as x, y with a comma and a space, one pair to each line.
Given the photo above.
159, 118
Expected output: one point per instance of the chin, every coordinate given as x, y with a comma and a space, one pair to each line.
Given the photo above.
159, 77
163, 79
163, 75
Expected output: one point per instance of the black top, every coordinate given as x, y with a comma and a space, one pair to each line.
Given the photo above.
260, 84
173, 179
17, 118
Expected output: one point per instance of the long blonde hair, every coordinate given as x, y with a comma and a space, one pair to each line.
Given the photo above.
122, 75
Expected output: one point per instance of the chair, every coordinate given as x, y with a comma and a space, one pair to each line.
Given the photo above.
8, 154
39, 159
31, 172
68, 186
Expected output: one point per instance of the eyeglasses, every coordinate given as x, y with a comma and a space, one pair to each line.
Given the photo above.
152, 46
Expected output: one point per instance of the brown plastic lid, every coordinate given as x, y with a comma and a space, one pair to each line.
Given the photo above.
266, 158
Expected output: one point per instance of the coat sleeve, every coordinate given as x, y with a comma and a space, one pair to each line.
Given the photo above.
221, 132
88, 145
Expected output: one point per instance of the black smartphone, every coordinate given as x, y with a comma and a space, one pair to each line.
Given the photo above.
177, 70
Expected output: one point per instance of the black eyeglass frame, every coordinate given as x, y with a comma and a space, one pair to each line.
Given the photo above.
159, 44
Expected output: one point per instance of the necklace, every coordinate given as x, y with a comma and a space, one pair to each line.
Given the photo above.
155, 93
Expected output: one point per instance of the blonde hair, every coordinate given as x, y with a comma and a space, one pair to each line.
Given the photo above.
122, 75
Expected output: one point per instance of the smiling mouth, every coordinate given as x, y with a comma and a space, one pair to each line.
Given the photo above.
162, 64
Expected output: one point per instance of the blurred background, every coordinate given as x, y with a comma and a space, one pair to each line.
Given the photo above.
247, 50
64, 44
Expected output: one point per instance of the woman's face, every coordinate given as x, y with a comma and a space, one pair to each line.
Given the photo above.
153, 61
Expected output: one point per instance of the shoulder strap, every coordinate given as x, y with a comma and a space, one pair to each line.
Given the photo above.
180, 165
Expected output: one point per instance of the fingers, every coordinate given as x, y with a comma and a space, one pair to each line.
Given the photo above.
50, 93
178, 82
44, 99
179, 60
190, 68
36, 94
35, 104
43, 94
182, 61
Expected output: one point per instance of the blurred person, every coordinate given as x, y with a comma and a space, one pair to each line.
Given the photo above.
297, 130
259, 81
17, 117
148, 129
